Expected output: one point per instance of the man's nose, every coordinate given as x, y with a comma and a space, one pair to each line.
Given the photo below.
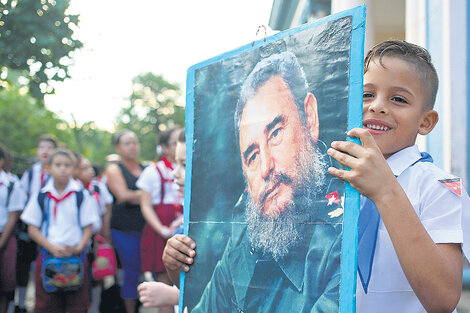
267, 163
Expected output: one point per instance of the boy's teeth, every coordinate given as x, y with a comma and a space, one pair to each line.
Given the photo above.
377, 127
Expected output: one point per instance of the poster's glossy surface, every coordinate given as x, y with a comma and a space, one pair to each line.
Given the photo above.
267, 218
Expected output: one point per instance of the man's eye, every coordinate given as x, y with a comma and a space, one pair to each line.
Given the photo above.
251, 158
367, 95
275, 135
399, 99
275, 132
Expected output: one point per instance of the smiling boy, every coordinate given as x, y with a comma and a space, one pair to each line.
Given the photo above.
417, 265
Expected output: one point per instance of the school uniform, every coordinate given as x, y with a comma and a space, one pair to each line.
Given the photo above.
34, 179
158, 180
443, 213
64, 227
101, 194
12, 198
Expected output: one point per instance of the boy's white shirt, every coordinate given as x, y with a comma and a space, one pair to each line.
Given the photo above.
64, 228
150, 181
443, 214
17, 198
35, 181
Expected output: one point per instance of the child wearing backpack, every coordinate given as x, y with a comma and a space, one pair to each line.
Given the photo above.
12, 199
99, 191
32, 181
60, 218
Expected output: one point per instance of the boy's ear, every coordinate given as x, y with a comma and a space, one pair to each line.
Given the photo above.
429, 120
47, 167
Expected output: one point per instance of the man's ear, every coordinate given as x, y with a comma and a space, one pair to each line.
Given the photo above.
428, 121
311, 112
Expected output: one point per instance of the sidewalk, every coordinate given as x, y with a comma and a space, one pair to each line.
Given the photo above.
30, 298
462, 307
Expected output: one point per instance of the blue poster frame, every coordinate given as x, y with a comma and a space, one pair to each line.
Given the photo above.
352, 202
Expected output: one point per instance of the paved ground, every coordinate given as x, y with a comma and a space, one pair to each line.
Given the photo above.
463, 307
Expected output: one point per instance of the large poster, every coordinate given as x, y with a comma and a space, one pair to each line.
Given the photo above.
274, 231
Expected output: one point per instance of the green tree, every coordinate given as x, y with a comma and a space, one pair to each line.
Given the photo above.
91, 142
154, 106
36, 43
23, 121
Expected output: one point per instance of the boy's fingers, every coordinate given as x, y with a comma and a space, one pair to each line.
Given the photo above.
181, 246
348, 147
364, 135
178, 256
341, 174
342, 158
186, 240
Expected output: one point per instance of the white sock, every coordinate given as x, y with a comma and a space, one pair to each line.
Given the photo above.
21, 297
95, 300
11, 307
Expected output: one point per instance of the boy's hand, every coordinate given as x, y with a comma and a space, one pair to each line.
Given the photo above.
178, 253
76, 250
60, 251
157, 294
369, 170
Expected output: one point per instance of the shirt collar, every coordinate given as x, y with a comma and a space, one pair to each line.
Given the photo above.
37, 166
401, 160
4, 178
71, 186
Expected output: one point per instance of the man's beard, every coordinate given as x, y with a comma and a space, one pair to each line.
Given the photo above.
276, 235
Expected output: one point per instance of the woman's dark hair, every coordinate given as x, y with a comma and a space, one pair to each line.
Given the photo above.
117, 136
165, 136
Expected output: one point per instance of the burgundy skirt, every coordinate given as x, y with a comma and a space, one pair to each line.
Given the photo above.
152, 244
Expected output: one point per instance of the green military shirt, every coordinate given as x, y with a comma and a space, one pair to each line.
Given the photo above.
306, 280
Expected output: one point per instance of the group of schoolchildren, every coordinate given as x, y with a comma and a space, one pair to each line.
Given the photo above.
50, 216
421, 244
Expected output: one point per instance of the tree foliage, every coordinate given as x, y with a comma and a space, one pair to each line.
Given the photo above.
154, 106
36, 43
23, 121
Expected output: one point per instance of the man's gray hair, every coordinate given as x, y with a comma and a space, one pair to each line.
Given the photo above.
284, 64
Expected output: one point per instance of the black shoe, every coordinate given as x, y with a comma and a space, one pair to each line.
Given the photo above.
20, 310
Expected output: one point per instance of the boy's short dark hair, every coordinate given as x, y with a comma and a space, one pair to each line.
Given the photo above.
61, 151
413, 54
48, 138
182, 136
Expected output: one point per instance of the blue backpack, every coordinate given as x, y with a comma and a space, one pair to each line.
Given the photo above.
61, 274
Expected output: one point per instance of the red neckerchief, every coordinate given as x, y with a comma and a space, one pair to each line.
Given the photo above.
43, 173
95, 194
167, 163
56, 201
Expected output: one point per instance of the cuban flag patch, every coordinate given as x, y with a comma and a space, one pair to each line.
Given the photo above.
332, 197
453, 184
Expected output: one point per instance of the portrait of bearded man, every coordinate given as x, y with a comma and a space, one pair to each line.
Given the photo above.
284, 248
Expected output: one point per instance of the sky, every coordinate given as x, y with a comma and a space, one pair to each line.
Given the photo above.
123, 39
